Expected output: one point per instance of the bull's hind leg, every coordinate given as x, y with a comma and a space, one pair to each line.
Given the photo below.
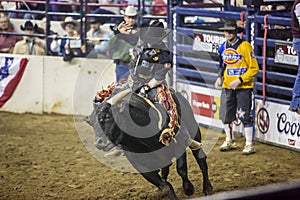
165, 172
181, 166
200, 157
164, 186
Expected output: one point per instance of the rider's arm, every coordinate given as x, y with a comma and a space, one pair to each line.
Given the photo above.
131, 36
160, 75
153, 82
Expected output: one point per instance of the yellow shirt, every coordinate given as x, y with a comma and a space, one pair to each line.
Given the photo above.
239, 62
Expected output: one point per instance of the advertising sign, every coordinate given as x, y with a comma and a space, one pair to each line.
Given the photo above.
285, 54
275, 124
208, 41
205, 103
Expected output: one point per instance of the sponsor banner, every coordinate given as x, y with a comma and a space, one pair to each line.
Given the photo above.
275, 124
11, 71
208, 42
205, 103
285, 54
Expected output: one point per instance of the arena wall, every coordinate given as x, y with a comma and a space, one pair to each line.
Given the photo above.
50, 85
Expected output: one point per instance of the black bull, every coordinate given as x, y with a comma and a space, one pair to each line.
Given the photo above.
136, 125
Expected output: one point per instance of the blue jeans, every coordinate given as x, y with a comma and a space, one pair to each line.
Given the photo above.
122, 71
295, 103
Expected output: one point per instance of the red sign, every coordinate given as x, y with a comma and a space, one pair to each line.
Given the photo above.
202, 104
291, 142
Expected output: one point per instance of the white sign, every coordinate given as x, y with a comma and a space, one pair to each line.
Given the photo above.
275, 124
208, 42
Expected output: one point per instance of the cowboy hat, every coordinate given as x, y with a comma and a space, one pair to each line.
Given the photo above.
155, 33
28, 26
69, 20
130, 11
230, 25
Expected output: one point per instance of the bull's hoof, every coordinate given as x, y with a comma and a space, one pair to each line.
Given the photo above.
188, 188
208, 190
167, 190
162, 192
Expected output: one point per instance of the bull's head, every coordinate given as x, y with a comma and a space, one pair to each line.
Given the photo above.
106, 120
101, 141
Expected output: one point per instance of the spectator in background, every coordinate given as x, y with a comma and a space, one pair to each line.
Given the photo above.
238, 66
295, 25
7, 42
125, 37
69, 45
30, 45
98, 38
102, 11
28, 7
42, 30
148, 10
159, 10
44, 26
128, 3
60, 8
75, 8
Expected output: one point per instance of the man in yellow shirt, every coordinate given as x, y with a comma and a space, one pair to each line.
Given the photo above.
238, 67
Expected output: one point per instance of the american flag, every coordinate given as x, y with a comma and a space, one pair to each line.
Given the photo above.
11, 71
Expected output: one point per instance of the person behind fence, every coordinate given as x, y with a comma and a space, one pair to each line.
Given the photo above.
295, 25
42, 29
30, 45
151, 61
238, 66
28, 6
98, 38
161, 9
7, 42
119, 45
70, 45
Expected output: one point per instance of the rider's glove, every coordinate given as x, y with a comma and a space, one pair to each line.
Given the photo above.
144, 91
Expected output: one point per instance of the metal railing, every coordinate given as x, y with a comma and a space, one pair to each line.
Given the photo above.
83, 15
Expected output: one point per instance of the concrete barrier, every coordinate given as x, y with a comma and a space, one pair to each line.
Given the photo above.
51, 85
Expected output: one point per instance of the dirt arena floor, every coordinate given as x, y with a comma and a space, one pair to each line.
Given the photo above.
44, 157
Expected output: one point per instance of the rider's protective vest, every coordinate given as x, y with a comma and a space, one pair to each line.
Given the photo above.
149, 63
